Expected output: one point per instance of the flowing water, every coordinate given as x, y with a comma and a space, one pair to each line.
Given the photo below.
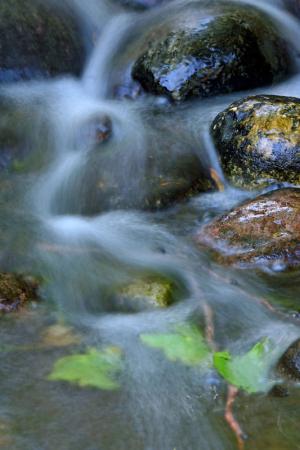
49, 227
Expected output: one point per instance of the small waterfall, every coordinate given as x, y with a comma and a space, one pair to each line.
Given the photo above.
98, 71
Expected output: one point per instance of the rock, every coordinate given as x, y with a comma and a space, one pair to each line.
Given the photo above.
289, 363
282, 289
293, 6
14, 138
258, 140
212, 48
264, 232
15, 291
143, 294
37, 40
153, 167
141, 4
59, 335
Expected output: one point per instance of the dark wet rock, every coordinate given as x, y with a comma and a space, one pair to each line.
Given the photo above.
141, 5
264, 232
289, 363
15, 291
258, 140
279, 391
37, 40
212, 49
154, 165
293, 6
143, 294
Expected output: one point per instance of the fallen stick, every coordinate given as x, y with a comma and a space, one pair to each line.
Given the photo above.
231, 420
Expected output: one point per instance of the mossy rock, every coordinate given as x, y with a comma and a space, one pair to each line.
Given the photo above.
262, 233
289, 363
144, 294
38, 40
15, 291
258, 140
213, 48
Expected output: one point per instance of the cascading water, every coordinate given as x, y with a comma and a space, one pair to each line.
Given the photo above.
83, 247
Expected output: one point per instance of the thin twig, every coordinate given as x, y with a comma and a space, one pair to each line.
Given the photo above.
209, 326
230, 419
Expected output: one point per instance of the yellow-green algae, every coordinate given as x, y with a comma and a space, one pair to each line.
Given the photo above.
157, 292
258, 139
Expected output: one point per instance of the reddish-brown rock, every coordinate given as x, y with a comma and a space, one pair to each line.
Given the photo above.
264, 232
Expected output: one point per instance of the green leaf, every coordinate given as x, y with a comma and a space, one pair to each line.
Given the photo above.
186, 345
94, 368
249, 371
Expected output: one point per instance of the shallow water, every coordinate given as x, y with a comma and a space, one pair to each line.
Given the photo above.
49, 226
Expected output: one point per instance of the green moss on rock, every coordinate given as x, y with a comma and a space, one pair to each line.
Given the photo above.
264, 232
258, 140
143, 294
220, 49
37, 40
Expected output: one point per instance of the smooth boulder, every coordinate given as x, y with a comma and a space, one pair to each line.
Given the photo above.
258, 140
261, 233
212, 48
38, 40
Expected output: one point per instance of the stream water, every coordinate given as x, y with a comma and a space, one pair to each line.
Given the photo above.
46, 228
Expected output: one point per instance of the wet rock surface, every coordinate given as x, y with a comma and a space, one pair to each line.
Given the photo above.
293, 6
264, 232
165, 167
37, 40
289, 363
258, 140
15, 291
224, 49
141, 5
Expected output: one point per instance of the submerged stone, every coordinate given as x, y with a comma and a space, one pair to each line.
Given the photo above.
38, 40
258, 140
212, 48
147, 164
15, 291
144, 294
59, 335
264, 232
289, 363
14, 138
